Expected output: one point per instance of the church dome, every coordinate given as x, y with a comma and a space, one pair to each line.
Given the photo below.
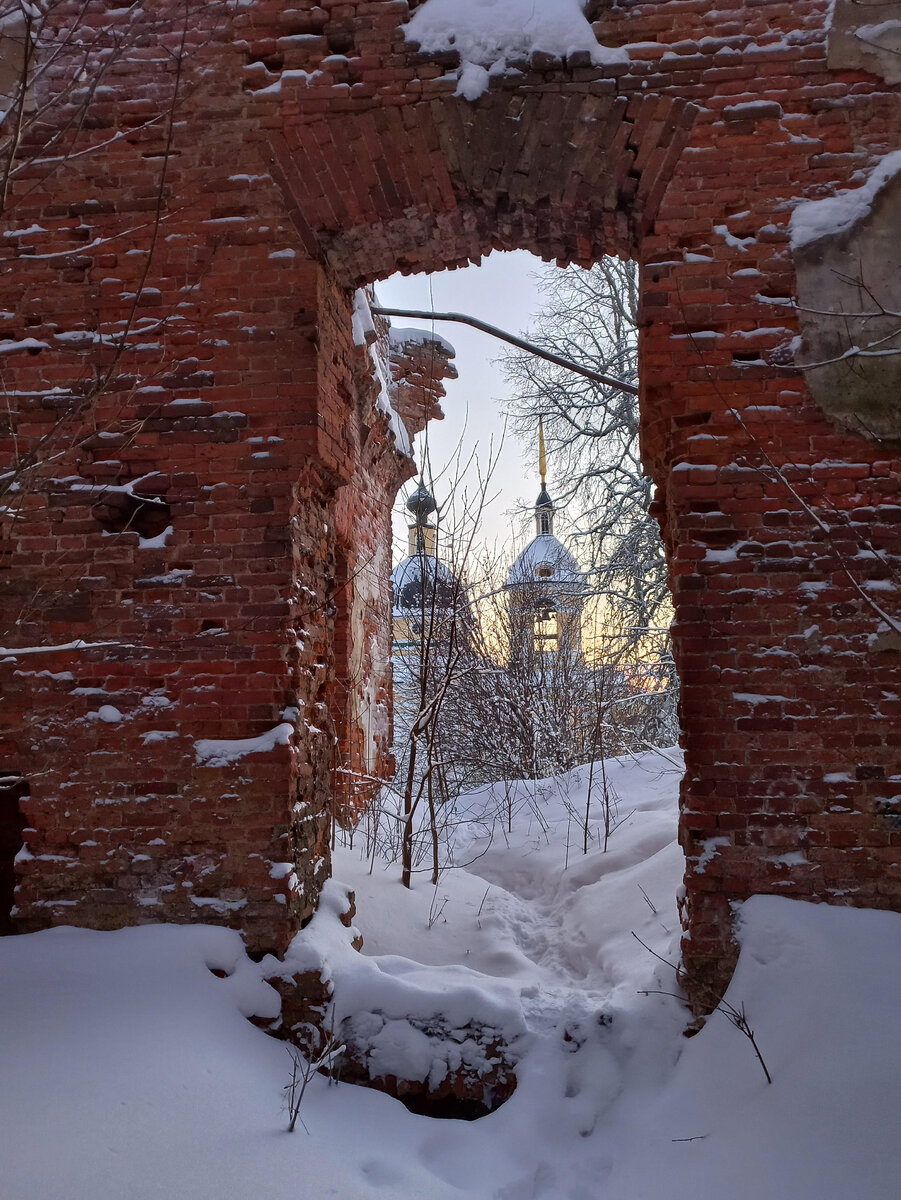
421, 504
421, 581
546, 561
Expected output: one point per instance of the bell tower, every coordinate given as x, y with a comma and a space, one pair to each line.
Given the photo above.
545, 589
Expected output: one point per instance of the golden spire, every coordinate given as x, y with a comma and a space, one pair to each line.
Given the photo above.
542, 461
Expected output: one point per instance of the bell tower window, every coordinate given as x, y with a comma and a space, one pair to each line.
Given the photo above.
545, 631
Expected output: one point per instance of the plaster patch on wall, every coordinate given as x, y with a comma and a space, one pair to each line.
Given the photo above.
849, 295
867, 38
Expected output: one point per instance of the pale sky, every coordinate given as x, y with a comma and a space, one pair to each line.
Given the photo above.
502, 291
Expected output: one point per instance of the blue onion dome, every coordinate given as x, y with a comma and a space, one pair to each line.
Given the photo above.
421, 504
422, 581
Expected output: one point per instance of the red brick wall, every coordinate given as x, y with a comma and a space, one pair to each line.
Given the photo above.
362, 684
365, 164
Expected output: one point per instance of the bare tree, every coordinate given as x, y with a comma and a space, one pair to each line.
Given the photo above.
592, 433
519, 707
432, 604
480, 699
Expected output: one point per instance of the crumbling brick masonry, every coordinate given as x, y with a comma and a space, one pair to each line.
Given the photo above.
203, 463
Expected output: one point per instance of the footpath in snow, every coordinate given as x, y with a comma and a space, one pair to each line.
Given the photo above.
129, 1072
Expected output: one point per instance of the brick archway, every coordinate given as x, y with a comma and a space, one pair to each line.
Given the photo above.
568, 174
182, 769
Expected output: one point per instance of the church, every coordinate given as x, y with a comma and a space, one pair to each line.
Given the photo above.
428, 599
485, 659
545, 589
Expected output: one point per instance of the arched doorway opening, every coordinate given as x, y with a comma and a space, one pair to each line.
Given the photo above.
594, 626
734, 525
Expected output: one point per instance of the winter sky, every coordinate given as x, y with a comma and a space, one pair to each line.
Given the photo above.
504, 292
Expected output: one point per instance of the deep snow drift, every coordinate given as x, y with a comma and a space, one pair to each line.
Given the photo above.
128, 1070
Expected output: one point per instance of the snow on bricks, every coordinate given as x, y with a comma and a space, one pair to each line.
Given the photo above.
425, 1037
178, 310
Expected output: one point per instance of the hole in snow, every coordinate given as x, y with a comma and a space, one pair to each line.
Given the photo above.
449, 1108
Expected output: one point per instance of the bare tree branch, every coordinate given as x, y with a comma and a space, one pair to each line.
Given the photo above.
521, 343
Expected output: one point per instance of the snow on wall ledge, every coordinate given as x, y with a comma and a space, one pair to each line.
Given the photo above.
835, 216
488, 36
220, 752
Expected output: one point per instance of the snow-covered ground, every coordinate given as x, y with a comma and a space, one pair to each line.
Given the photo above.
128, 1070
